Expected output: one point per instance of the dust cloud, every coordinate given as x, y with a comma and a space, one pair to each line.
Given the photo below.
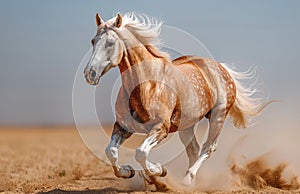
265, 156
258, 174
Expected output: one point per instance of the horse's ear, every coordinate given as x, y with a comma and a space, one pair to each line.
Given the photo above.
118, 21
99, 21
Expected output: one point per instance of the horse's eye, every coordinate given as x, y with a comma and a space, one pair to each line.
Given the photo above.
109, 43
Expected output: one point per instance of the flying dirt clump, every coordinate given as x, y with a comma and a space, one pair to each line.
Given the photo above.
257, 175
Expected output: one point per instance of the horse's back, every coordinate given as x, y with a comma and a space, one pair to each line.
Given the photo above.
189, 58
218, 80
197, 63
196, 69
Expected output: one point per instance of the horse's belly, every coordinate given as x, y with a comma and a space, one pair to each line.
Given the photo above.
188, 114
133, 126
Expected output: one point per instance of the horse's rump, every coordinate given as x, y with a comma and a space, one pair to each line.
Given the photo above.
241, 105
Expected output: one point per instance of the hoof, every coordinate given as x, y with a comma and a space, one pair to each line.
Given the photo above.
164, 171
188, 180
130, 170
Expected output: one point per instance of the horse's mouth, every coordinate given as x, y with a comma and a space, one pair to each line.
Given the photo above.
106, 69
93, 82
96, 81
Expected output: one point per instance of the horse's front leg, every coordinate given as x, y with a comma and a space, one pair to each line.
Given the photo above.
158, 133
119, 135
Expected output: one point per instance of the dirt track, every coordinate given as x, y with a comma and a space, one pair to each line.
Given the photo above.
57, 161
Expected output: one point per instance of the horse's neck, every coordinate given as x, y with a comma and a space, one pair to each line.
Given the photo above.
139, 65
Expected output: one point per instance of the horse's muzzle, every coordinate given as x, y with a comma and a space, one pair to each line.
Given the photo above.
91, 77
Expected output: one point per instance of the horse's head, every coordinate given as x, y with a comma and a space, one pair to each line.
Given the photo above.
107, 49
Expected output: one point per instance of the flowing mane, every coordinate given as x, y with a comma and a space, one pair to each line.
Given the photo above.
147, 30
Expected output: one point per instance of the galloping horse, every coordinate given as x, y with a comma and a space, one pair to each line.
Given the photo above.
159, 96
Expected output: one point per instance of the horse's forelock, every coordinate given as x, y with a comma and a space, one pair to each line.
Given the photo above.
145, 29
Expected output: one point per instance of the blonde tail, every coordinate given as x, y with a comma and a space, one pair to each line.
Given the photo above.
245, 105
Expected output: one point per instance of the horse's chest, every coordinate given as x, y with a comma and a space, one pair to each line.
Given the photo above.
138, 110
139, 102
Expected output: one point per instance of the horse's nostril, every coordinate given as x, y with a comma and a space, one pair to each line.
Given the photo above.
93, 74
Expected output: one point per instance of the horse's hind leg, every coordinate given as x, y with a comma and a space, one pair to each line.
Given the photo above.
216, 121
187, 137
118, 136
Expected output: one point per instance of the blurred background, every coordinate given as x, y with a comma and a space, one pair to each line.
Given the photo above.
43, 42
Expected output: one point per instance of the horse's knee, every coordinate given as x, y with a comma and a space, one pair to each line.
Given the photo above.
140, 155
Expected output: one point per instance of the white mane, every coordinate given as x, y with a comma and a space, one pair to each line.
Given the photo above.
147, 30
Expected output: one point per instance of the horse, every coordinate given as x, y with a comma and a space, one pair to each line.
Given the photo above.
159, 96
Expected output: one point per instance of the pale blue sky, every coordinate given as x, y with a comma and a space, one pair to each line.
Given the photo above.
43, 42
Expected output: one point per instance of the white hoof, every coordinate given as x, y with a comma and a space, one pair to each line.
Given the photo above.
156, 169
188, 180
125, 172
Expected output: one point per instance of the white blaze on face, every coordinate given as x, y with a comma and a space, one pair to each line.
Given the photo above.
107, 49
107, 52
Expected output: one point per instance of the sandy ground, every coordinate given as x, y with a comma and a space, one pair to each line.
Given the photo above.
55, 160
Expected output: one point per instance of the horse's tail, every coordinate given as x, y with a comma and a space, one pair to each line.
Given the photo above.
245, 105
